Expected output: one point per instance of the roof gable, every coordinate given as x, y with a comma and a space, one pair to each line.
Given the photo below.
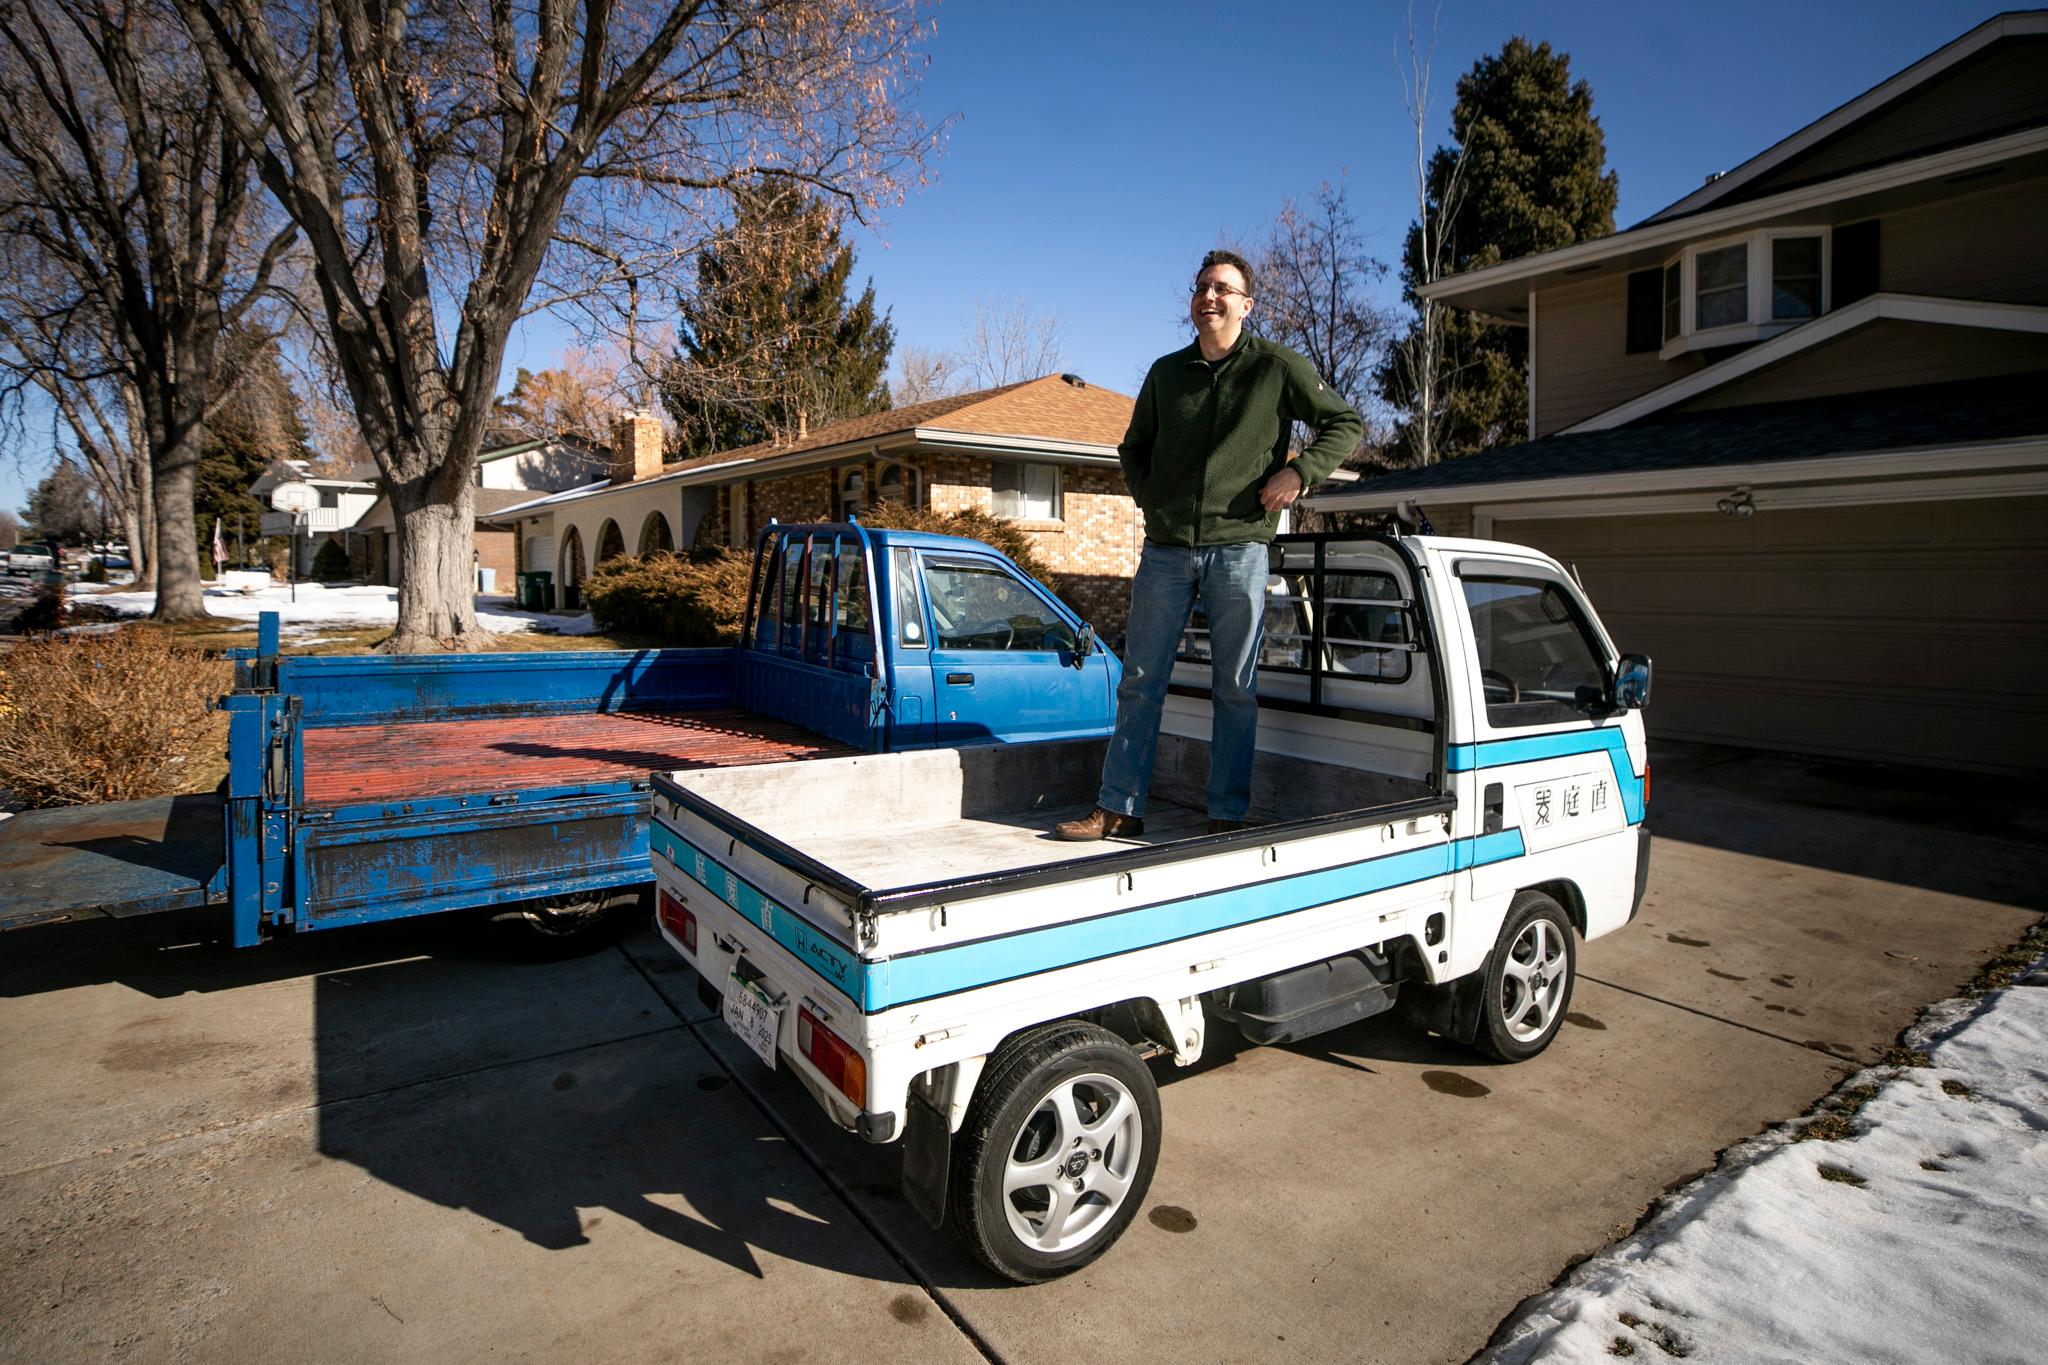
1984, 83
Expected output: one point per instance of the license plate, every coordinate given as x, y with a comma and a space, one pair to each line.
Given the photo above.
751, 1015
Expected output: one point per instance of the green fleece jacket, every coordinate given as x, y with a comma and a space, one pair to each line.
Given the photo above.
1204, 439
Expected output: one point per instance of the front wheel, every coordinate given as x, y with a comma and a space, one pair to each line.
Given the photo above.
1056, 1153
1529, 979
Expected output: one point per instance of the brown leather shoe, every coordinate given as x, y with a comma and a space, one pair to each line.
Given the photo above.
1225, 826
1099, 824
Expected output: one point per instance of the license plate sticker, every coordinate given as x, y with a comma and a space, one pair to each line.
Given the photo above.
752, 1016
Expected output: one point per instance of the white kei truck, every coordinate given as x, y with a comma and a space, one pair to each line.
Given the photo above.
1448, 794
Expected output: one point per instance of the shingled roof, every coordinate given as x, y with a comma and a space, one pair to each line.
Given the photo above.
2010, 407
1053, 408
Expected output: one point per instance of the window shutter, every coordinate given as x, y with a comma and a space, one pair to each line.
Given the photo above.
1856, 262
1645, 310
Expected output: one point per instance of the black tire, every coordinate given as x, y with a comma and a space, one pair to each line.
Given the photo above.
1042, 1231
563, 927
1529, 979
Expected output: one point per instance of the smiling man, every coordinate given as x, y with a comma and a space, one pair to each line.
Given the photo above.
1206, 458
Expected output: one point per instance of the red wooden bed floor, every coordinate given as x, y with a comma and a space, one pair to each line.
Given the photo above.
367, 763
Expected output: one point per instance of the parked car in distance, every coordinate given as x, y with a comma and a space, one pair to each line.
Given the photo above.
30, 557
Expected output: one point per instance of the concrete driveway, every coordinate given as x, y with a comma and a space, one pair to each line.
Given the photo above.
389, 1143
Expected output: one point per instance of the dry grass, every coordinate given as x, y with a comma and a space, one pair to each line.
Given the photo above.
109, 718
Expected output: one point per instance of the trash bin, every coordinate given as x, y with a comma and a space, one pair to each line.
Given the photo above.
536, 591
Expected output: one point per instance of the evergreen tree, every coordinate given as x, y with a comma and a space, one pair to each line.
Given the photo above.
64, 509
769, 343
258, 426
1529, 167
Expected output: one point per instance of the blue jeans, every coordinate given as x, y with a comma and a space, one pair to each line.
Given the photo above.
1230, 583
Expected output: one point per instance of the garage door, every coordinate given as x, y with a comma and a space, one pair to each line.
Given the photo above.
1914, 633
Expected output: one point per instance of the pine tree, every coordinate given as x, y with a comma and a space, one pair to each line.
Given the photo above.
259, 426
1529, 166
769, 343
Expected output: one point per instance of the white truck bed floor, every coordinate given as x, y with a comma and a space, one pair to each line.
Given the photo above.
888, 821
970, 846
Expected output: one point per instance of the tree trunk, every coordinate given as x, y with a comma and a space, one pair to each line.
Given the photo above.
179, 594
437, 577
143, 549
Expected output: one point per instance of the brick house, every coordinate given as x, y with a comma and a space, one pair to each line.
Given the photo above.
1041, 453
1792, 430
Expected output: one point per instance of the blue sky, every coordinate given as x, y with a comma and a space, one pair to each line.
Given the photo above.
1096, 150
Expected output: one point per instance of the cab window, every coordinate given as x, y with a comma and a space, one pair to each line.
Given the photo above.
981, 606
1538, 663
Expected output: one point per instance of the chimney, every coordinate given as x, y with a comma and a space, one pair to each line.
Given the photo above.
803, 424
636, 447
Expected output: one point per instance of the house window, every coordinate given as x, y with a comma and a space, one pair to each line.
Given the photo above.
1795, 277
330, 497
1025, 492
1744, 289
1721, 287
896, 483
852, 496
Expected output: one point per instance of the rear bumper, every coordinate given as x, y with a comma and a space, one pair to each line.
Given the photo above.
1642, 869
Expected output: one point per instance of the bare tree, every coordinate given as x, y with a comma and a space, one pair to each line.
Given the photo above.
10, 530
445, 157
924, 373
1006, 343
92, 397
1421, 358
126, 206
1314, 280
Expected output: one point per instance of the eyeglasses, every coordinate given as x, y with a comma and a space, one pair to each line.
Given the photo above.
1216, 287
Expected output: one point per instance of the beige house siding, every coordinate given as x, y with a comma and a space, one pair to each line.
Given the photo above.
1994, 92
1987, 245
1885, 355
1582, 364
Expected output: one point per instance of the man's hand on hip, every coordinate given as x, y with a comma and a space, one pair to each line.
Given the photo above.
1281, 490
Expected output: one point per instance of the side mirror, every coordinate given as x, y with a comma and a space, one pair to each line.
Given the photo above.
1084, 645
1632, 682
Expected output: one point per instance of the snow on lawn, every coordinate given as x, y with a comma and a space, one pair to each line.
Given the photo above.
320, 606
1921, 1236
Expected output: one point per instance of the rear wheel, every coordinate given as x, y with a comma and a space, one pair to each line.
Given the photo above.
1529, 979
1056, 1153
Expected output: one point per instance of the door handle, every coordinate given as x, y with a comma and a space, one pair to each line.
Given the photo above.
1492, 808
961, 679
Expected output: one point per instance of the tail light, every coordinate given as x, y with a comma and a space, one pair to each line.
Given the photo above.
1646, 789
832, 1055
679, 921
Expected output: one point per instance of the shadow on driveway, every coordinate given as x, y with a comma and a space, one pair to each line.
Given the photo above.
1963, 834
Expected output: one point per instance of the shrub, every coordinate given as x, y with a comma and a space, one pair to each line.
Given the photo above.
971, 522
695, 598
108, 718
330, 565
45, 610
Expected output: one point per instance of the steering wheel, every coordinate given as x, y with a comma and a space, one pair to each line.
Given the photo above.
1494, 675
1009, 630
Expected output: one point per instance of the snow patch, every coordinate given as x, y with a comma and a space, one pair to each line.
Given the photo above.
322, 607
1922, 1236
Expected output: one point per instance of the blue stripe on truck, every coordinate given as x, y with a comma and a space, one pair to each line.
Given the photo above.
1609, 740
908, 979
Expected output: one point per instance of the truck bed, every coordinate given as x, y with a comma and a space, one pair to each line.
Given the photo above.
882, 824
362, 764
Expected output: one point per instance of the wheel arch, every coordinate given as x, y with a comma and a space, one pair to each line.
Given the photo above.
1567, 894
